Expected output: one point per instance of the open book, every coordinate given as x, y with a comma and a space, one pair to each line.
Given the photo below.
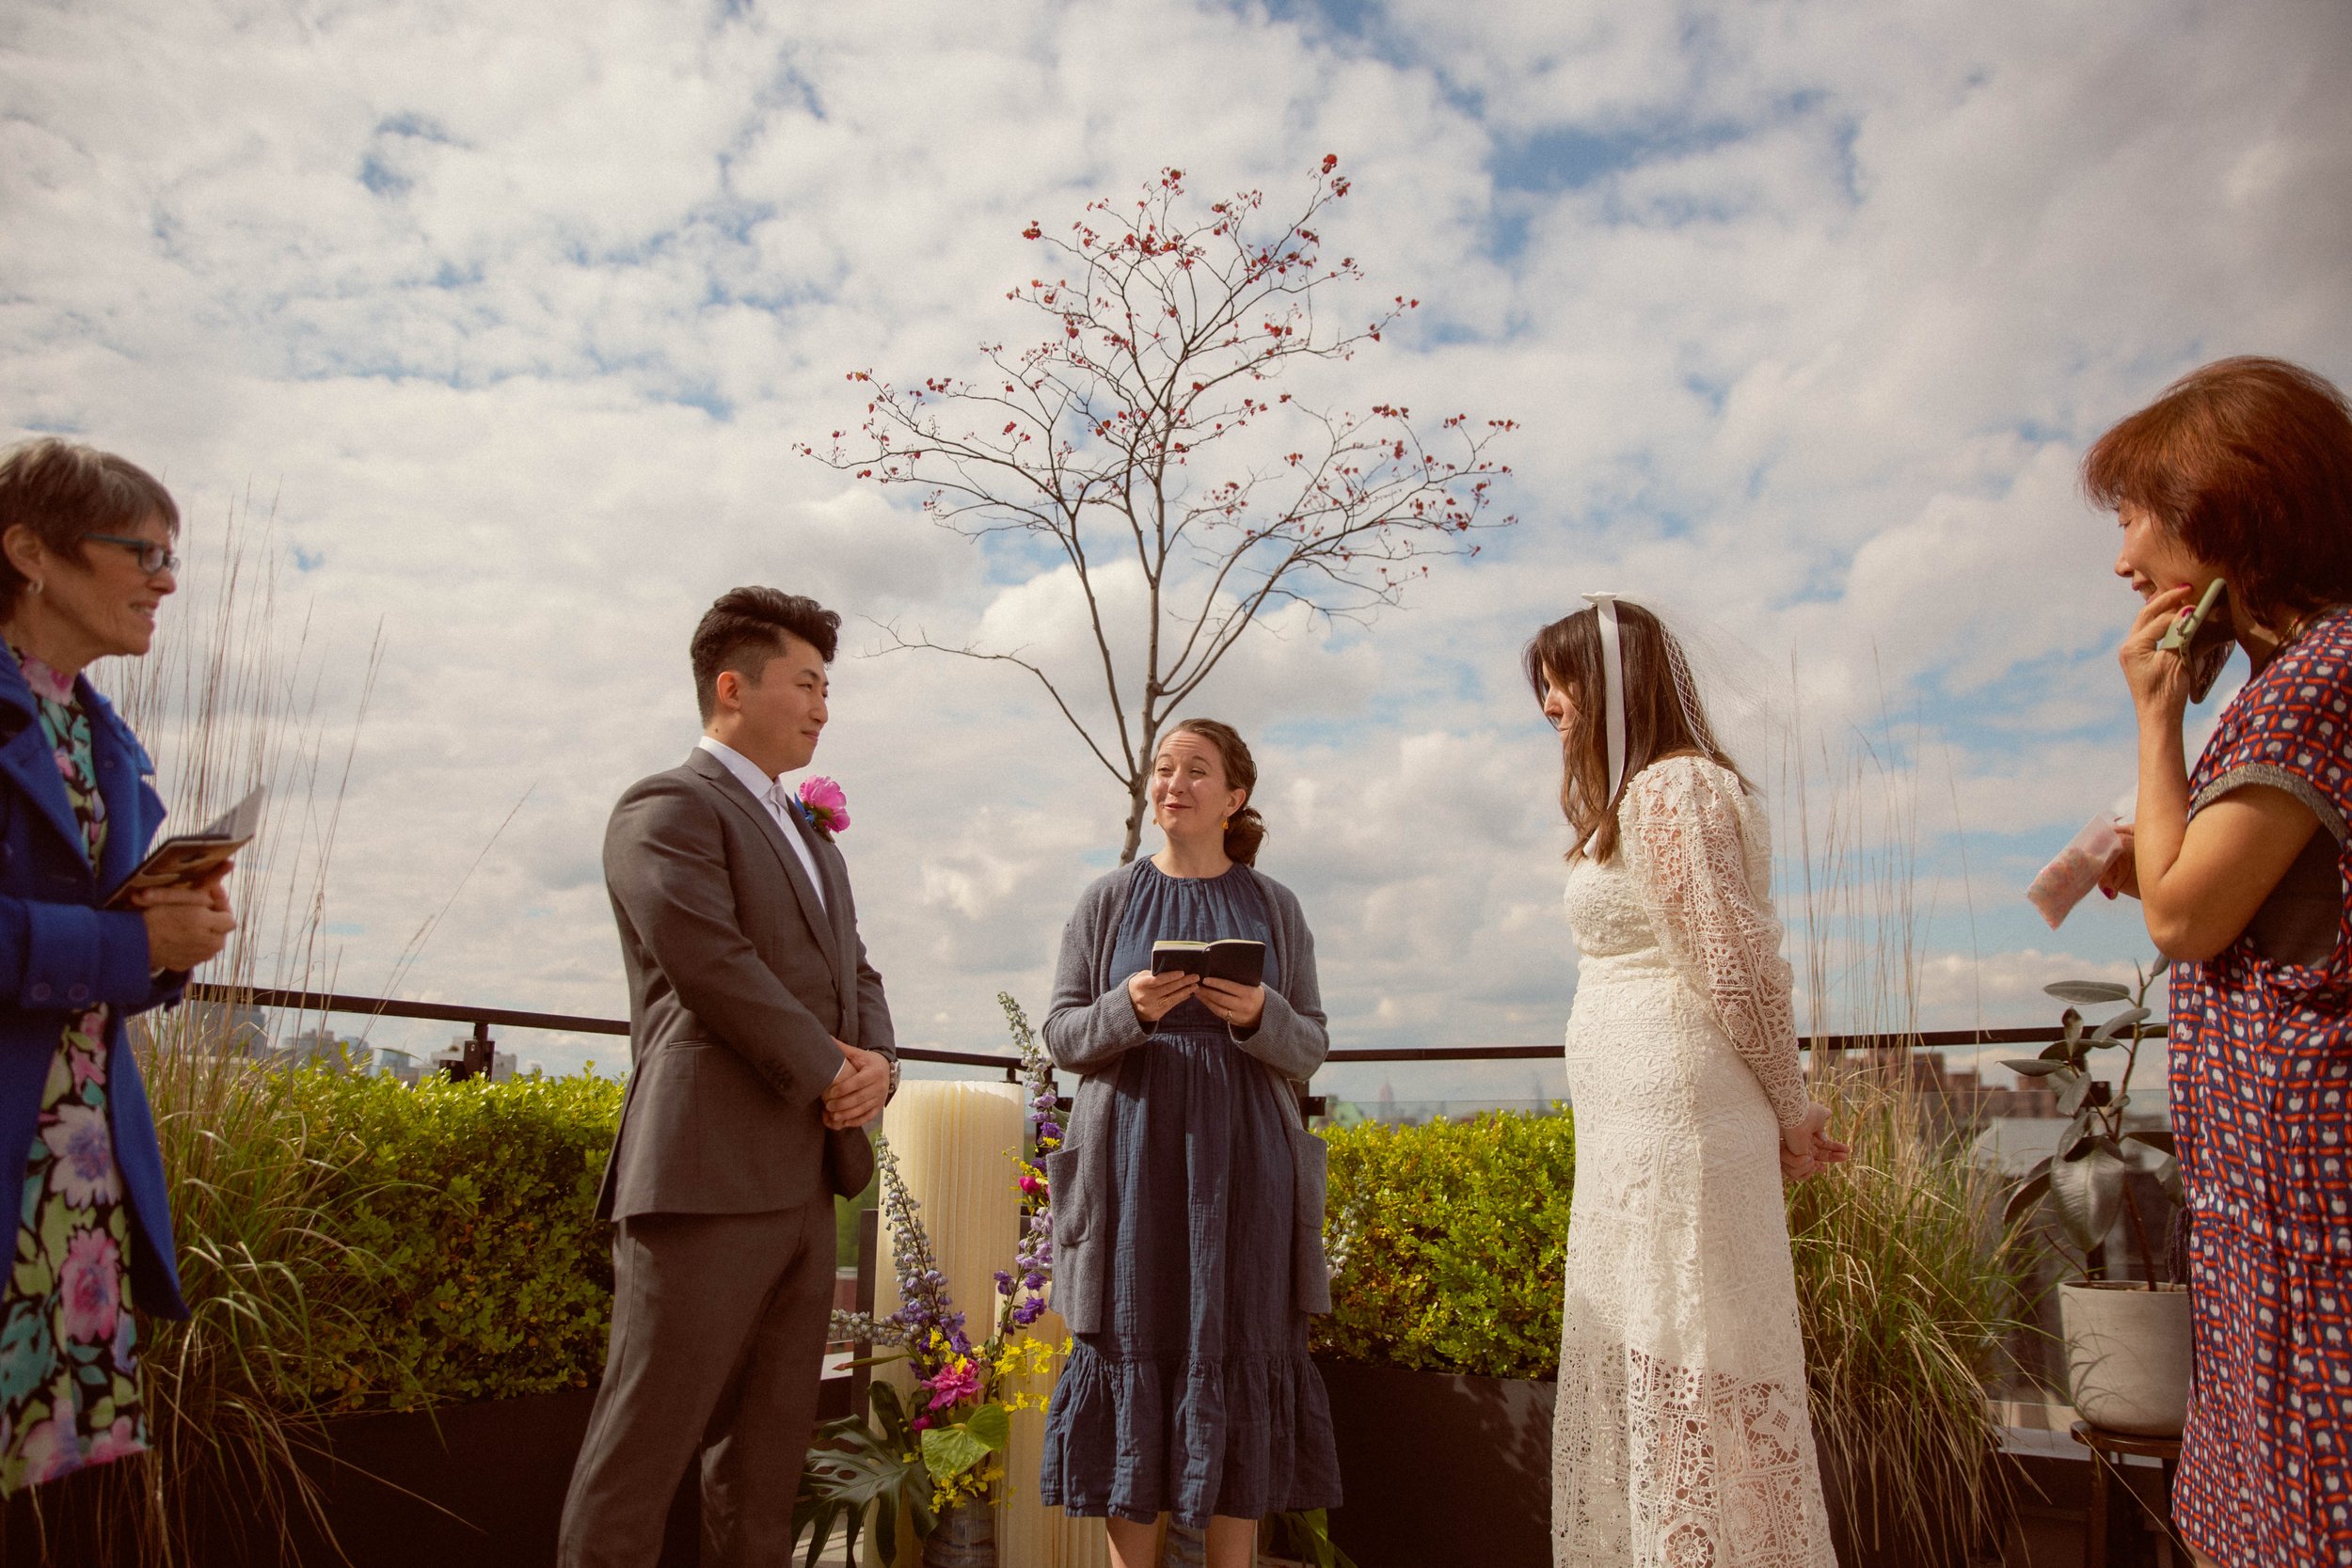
1234, 958
189, 859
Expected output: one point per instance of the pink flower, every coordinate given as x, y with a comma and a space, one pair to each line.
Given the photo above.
91, 1285
83, 1154
118, 1441
49, 1449
826, 805
89, 1066
953, 1383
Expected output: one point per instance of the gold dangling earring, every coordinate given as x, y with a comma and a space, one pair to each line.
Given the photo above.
1224, 822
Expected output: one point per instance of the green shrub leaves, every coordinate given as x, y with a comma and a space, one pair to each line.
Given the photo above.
468, 1210
1448, 1241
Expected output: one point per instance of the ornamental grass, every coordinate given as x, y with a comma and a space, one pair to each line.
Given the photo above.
1907, 1289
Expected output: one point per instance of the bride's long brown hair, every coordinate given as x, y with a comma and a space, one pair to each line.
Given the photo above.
1659, 720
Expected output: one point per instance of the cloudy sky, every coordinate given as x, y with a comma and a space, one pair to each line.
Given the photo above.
494, 327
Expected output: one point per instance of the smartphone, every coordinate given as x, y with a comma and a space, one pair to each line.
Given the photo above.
2203, 639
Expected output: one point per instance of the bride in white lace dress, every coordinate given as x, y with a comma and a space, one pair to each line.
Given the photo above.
1682, 1436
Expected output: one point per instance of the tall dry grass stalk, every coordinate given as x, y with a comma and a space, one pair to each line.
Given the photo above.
1850, 817
227, 700
1910, 1287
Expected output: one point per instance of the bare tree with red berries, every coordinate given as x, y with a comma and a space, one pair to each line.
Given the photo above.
1145, 429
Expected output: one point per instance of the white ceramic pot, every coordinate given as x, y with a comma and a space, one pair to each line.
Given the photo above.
2127, 1354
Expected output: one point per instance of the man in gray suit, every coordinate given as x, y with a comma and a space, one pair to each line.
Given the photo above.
759, 1047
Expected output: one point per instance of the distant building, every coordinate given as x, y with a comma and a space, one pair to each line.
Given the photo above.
321, 1047
458, 1056
401, 1065
227, 1029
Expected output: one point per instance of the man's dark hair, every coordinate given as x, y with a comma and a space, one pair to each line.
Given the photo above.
745, 627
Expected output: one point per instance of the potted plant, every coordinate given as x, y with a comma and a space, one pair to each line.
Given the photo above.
2127, 1341
935, 1455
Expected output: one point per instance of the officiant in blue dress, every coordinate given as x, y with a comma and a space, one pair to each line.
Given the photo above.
1187, 1194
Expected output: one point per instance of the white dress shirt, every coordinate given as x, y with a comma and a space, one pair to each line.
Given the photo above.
771, 794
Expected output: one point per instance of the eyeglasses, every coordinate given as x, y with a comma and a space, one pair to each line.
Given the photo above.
154, 557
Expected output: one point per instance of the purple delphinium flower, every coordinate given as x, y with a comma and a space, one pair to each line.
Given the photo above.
925, 1304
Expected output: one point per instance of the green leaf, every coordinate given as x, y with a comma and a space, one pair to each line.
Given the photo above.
2074, 1090
1308, 1533
2087, 1194
2033, 1069
2120, 1022
2074, 1022
2154, 1138
850, 1469
2089, 992
950, 1451
2028, 1193
992, 1424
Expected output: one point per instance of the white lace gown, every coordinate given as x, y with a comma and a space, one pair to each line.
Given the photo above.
1682, 1436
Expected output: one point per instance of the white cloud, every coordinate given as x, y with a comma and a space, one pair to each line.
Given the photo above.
1805, 311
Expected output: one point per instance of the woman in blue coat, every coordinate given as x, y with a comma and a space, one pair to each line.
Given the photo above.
86, 560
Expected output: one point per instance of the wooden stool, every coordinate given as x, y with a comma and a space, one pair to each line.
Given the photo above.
2106, 1449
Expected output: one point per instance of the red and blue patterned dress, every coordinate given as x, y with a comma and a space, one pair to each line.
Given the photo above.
69, 1366
2261, 1109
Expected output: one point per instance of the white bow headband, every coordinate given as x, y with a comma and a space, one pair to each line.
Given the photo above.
1612, 664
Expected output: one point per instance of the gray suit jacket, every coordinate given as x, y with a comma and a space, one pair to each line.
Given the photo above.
739, 980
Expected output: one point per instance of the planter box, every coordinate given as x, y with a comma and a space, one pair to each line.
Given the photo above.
464, 1486
1441, 1468
499, 1470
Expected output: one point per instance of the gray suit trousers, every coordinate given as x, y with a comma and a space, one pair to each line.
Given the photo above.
683, 1286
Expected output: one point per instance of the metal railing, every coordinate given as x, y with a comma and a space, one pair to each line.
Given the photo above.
484, 1019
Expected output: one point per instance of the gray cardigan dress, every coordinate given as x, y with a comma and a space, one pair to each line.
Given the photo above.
1187, 1204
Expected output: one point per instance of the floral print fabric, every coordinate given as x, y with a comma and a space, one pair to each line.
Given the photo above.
69, 1367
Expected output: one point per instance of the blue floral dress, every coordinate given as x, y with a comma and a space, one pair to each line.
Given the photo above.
69, 1367
2262, 1107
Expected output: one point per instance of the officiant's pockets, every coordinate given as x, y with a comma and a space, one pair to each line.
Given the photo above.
1311, 1270
1078, 1288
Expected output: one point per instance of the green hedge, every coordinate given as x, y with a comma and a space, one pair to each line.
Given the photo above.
1452, 1236
475, 1267
471, 1267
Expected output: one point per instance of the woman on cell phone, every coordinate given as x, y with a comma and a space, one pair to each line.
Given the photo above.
2242, 471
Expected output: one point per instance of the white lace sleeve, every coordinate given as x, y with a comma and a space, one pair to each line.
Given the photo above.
1682, 834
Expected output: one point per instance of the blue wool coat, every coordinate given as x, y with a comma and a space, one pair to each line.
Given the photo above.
60, 953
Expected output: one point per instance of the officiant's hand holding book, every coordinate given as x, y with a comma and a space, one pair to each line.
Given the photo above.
1155, 996
1233, 958
1232, 975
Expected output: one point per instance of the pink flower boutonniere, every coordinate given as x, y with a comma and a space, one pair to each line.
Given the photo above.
826, 805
